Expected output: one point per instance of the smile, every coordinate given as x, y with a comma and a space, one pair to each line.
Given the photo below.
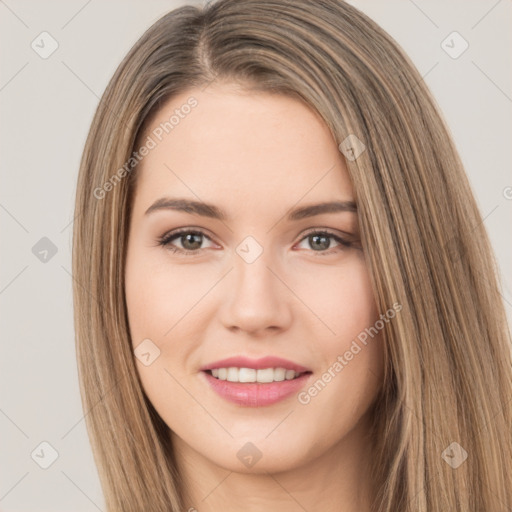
255, 393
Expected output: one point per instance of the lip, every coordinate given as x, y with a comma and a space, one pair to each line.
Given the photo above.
256, 364
255, 394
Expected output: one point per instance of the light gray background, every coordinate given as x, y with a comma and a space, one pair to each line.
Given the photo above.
46, 108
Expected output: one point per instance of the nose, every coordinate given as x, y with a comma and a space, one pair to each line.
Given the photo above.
257, 299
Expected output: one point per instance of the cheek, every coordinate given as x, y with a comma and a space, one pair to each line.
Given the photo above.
160, 301
342, 299
160, 295
350, 347
165, 300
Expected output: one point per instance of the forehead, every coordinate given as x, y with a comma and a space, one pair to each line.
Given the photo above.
226, 144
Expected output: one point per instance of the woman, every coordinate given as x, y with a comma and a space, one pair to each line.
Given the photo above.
285, 296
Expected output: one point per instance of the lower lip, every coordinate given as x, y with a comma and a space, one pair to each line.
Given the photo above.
255, 394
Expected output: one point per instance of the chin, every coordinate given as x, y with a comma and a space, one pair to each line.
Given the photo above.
257, 455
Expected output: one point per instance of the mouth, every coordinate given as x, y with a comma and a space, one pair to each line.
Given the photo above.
248, 387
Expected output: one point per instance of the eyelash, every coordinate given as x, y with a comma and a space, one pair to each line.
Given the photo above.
165, 241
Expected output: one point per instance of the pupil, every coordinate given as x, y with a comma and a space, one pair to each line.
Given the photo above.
326, 243
189, 238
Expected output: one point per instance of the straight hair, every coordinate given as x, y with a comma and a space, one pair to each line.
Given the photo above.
448, 376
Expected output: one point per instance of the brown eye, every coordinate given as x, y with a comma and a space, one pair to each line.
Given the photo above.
191, 241
321, 241
185, 241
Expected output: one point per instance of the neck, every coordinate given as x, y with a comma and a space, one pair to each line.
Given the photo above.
335, 480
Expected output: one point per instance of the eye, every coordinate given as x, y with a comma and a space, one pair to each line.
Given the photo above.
320, 242
189, 239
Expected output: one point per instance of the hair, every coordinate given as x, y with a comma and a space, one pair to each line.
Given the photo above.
447, 356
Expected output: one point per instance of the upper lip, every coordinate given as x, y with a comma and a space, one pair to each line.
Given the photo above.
257, 364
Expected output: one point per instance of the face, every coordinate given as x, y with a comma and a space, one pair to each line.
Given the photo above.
227, 259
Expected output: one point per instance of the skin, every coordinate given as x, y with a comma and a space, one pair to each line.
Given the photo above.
256, 156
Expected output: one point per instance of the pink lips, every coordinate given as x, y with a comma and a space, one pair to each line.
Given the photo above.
255, 394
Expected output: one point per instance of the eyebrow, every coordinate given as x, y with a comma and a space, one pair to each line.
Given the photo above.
212, 211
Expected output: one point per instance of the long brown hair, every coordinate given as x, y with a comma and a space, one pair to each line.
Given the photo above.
448, 372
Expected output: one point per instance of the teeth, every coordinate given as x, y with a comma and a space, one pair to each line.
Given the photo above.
251, 375
290, 374
232, 375
280, 374
246, 374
